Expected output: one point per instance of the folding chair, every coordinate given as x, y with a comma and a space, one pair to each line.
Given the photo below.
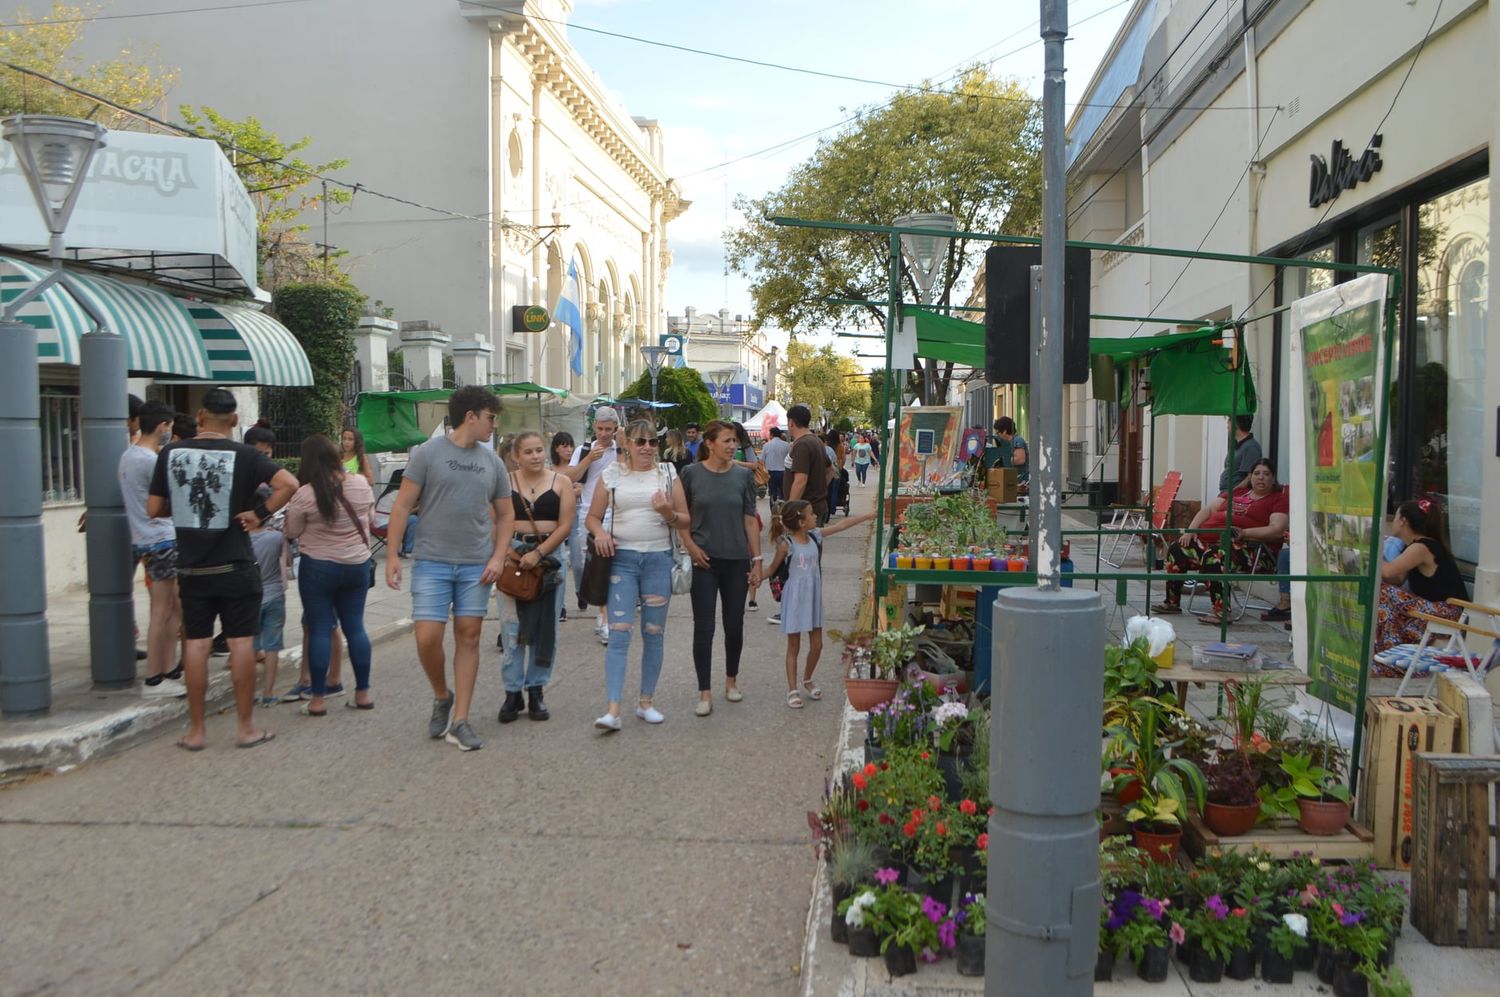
381, 514
1239, 602
1456, 651
1126, 524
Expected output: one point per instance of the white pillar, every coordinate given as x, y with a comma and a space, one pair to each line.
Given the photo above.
372, 351
471, 361
422, 347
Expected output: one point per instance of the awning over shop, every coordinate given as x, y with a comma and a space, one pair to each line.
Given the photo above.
159, 333
246, 346
396, 420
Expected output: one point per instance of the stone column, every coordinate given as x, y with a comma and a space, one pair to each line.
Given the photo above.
471, 361
372, 350
422, 347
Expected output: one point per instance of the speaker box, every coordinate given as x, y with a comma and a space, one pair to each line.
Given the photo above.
1007, 320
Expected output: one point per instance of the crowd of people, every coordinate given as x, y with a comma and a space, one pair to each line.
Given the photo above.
221, 530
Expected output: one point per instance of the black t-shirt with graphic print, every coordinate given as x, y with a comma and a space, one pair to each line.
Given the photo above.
207, 482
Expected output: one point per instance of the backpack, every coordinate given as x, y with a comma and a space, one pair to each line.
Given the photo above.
778, 580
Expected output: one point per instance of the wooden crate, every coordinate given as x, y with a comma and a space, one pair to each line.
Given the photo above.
1396, 729
1467, 697
1353, 843
1455, 880
958, 600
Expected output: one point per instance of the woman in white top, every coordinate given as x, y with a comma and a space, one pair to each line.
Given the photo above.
644, 505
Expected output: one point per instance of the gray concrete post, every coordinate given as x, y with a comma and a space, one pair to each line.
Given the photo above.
103, 405
1044, 891
25, 664
1047, 359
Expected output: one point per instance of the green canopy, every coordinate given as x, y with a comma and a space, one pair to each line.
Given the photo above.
941, 337
1140, 346
396, 420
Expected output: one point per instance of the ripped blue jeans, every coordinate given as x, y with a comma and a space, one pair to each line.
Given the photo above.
638, 578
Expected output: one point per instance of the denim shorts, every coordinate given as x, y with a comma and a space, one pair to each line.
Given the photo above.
272, 622
438, 588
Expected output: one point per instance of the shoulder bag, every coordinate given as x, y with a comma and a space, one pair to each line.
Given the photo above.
593, 584
360, 526
521, 583
682, 561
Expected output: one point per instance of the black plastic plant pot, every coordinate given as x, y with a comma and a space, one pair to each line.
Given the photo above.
1327, 964
1186, 951
900, 960
970, 955
1205, 968
838, 928
1241, 965
1155, 962
863, 943
1306, 958
1348, 981
1104, 966
1275, 969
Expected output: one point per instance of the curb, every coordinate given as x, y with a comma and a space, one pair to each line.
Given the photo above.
65, 747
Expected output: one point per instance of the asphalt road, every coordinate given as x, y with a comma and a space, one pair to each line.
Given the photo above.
354, 855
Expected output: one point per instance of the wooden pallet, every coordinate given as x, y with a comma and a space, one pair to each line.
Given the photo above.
1353, 843
1455, 878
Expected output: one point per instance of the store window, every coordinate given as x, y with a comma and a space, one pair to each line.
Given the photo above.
62, 458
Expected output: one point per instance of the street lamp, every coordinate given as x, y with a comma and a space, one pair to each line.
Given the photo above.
54, 153
721, 379
925, 254
655, 357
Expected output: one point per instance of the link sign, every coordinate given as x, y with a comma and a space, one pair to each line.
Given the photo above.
529, 318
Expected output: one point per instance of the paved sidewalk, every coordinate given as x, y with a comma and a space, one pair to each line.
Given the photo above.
85, 722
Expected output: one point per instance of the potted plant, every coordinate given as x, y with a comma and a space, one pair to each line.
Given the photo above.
970, 941
901, 721
953, 730
1232, 807
931, 832
1286, 940
1138, 740
876, 681
904, 923
856, 911
851, 864
1387, 982
1140, 928
1314, 794
1216, 930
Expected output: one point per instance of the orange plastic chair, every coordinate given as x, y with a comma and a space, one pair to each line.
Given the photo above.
1124, 529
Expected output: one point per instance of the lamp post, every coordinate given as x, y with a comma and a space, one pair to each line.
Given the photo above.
655, 357
721, 379
54, 154
925, 253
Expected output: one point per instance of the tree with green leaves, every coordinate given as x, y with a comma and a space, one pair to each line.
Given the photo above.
322, 317
684, 388
972, 151
43, 45
285, 189
826, 381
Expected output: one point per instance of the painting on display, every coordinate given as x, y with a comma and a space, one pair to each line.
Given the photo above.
929, 444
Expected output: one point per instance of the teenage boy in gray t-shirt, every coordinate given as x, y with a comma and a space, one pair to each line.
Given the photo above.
467, 522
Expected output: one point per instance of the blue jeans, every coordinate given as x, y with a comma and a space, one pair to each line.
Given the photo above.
565, 555
334, 594
577, 549
634, 576
1284, 567
520, 668
860, 470
439, 588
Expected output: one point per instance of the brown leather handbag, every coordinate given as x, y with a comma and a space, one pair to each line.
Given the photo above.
521, 583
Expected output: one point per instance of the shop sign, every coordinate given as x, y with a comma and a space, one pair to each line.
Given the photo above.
530, 318
1341, 171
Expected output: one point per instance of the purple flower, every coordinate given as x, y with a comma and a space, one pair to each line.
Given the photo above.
948, 934
885, 877
1117, 920
934, 910
1350, 918
1153, 907
1217, 907
961, 916
927, 956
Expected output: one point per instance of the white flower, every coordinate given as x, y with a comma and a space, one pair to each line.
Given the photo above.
1263, 866
854, 917
1297, 923
949, 711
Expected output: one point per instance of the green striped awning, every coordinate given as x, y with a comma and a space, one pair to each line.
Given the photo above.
246, 346
159, 333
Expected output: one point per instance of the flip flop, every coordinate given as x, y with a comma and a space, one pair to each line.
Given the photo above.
308, 711
352, 705
182, 743
265, 736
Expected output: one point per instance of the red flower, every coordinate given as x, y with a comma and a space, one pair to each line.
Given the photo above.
1238, 912
991, 811
886, 819
968, 808
885, 766
925, 756
934, 804
918, 816
863, 805
983, 841
860, 782
870, 768
942, 829
910, 830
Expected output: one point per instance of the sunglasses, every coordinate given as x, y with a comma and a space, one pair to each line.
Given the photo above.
642, 441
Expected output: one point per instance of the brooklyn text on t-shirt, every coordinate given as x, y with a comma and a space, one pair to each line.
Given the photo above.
459, 465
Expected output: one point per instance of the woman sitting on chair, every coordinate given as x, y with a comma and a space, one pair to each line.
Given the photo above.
1260, 516
1428, 570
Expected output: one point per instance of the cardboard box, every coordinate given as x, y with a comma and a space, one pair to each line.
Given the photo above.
1467, 697
1396, 729
1002, 482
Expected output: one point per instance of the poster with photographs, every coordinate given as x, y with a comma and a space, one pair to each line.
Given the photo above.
1337, 357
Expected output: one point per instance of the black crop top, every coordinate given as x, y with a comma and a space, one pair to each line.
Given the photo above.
1445, 583
547, 507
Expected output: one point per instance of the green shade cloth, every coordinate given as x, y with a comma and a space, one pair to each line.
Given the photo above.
1139, 346
1195, 379
940, 337
397, 420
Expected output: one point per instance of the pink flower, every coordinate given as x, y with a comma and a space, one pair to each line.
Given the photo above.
887, 876
1176, 933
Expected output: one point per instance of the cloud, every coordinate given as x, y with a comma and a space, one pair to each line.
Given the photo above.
697, 255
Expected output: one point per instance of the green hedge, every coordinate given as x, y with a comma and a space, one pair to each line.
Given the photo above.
322, 317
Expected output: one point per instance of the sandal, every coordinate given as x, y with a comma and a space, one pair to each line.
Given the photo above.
813, 692
794, 699
1167, 608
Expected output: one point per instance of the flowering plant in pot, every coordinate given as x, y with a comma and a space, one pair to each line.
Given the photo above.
1139, 926
1216, 930
872, 678
1284, 942
859, 928
901, 922
929, 831
903, 720
851, 864
969, 919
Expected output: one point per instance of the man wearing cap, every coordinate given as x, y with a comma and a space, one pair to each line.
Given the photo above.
207, 485
586, 468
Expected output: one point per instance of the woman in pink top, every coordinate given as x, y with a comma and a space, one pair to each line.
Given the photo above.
329, 516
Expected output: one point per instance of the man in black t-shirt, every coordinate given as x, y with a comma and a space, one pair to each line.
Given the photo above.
207, 485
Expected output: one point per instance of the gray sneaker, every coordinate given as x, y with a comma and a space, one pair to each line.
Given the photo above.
463, 737
438, 725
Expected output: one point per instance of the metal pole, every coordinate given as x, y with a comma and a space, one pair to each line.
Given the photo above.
103, 405
25, 665
1048, 646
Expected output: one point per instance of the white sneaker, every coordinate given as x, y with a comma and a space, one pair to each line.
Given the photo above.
602, 632
774, 619
609, 723
165, 689
650, 714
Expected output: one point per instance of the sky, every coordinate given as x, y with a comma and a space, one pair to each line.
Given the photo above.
714, 111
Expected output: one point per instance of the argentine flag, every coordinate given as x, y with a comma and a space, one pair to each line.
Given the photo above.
569, 314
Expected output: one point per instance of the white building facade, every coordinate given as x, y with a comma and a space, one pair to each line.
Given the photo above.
718, 343
1207, 126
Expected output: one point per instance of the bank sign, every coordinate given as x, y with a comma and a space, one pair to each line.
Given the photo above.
145, 193
738, 395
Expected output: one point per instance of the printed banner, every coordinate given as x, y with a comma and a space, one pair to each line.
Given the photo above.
1338, 463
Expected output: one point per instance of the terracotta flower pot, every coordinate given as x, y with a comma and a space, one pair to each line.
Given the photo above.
1325, 817
1161, 846
1229, 821
865, 693
1128, 791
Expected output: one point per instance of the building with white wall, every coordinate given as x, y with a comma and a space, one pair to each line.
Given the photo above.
480, 109
719, 342
1203, 127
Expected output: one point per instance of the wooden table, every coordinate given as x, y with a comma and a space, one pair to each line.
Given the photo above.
1182, 672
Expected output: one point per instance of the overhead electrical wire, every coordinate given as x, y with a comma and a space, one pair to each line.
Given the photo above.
153, 13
